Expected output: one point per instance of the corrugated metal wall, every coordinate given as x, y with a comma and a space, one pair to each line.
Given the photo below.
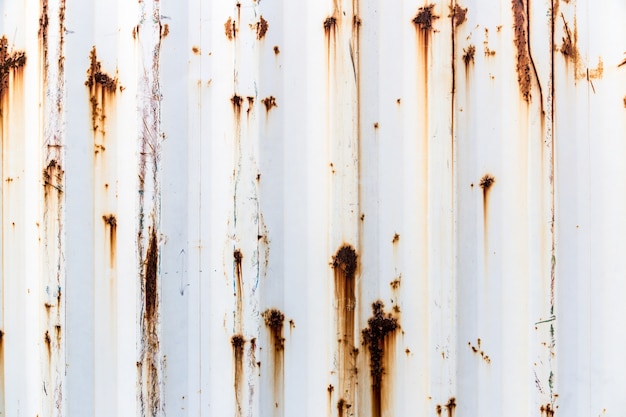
350, 208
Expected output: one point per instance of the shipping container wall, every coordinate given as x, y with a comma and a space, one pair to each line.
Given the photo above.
258, 208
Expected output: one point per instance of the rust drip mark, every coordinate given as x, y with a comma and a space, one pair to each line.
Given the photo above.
48, 341
9, 61
53, 177
237, 342
274, 320
110, 222
451, 406
521, 43
569, 47
625, 102
150, 277
57, 334
43, 35
250, 104
196, 50
100, 84
424, 18
61, 60
345, 266
261, 28
468, 55
486, 182
237, 259
165, 30
269, 103
276, 50
330, 24
478, 351
438, 410
230, 28
381, 328
546, 410
396, 238
458, 15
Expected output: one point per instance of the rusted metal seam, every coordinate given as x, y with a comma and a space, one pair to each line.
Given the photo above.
530, 55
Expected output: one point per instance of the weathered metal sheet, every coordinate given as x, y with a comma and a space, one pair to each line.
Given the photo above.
347, 208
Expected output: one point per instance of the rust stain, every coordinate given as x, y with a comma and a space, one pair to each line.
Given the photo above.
150, 338
261, 28
274, 320
546, 410
43, 35
458, 15
269, 103
424, 18
396, 238
100, 85
486, 182
9, 61
48, 341
569, 46
378, 337
330, 24
521, 43
276, 50
236, 100
250, 104
196, 50
598, 72
230, 28
165, 30
237, 342
624, 101
151, 276
57, 334
61, 60
110, 222
345, 266
451, 406
468, 55
237, 259
478, 351
438, 410
53, 177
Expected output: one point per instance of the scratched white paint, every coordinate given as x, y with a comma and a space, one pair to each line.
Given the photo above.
244, 143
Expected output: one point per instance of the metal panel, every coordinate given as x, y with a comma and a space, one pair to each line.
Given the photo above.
347, 208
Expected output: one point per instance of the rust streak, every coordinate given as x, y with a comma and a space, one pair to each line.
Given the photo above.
458, 15
237, 342
345, 265
110, 222
237, 259
269, 103
451, 406
377, 337
9, 61
261, 28
274, 320
230, 28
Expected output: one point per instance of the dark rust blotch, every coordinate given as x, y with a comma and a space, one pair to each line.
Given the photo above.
230, 29
424, 18
521, 43
468, 55
8, 62
486, 182
330, 23
276, 50
150, 276
95, 76
269, 103
458, 15
451, 406
261, 28
237, 342
346, 259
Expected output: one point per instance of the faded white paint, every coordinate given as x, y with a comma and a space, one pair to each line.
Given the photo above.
344, 123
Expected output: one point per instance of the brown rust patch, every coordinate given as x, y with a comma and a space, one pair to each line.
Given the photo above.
276, 50
9, 61
53, 177
274, 320
230, 29
345, 266
546, 410
486, 182
196, 50
250, 104
261, 28
165, 30
569, 47
330, 24
451, 406
100, 85
458, 15
438, 410
48, 341
269, 103
424, 18
624, 101
396, 238
43, 35
237, 265
468, 55
237, 342
150, 278
237, 101
381, 328
110, 222
520, 27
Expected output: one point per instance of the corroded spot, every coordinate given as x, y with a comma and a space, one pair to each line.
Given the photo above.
521, 43
486, 182
8, 62
468, 54
95, 76
329, 24
424, 18
269, 103
346, 259
230, 29
261, 28
458, 15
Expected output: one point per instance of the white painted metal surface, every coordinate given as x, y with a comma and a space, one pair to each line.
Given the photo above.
348, 208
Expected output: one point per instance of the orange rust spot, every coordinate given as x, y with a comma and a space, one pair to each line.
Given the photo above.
547, 410
261, 28
9, 62
330, 24
451, 406
468, 55
376, 125
230, 28
269, 102
356, 22
485, 183
236, 100
395, 284
196, 50
276, 50
48, 342
165, 30
424, 18
110, 222
398, 101
521, 43
95, 76
624, 101
380, 327
458, 15
237, 259
250, 104
396, 238
237, 342
135, 31
53, 176
438, 410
